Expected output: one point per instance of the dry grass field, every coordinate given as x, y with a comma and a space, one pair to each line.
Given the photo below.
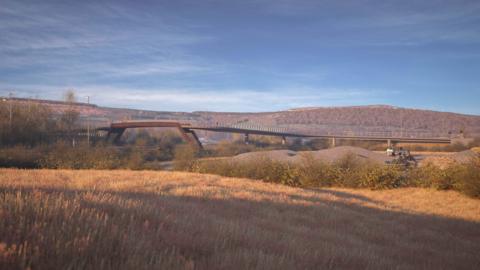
61, 219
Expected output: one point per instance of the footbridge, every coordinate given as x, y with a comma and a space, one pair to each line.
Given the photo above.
187, 131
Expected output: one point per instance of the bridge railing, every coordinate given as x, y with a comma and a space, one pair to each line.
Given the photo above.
347, 133
249, 126
394, 134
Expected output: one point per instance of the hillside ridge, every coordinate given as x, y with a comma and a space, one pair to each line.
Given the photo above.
361, 120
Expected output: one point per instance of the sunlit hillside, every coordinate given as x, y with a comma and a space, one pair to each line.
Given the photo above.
361, 120
60, 219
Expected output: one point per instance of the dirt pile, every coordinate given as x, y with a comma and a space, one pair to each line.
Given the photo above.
277, 155
327, 155
445, 161
334, 154
476, 149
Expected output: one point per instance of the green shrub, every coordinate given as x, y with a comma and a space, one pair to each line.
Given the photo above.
64, 156
316, 173
261, 168
185, 157
428, 175
25, 123
349, 172
382, 177
278, 172
134, 160
21, 156
464, 178
468, 178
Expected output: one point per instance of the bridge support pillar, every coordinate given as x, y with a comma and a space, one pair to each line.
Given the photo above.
389, 143
246, 139
195, 141
118, 132
334, 142
284, 140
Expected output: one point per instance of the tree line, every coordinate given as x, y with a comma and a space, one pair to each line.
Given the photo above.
32, 124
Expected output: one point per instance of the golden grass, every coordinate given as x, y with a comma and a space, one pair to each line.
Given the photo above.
60, 219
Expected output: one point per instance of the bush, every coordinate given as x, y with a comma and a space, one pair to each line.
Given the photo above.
432, 176
21, 156
134, 159
185, 157
25, 123
63, 156
382, 177
468, 178
315, 173
428, 175
464, 178
278, 172
349, 172
261, 168
226, 148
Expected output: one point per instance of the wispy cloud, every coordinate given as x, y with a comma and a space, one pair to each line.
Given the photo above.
44, 35
156, 68
390, 23
246, 55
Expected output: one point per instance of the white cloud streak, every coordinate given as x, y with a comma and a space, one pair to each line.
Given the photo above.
390, 23
133, 58
70, 45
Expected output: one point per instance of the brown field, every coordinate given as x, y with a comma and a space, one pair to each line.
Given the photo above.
60, 219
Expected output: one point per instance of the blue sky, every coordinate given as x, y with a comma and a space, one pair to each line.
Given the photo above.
250, 55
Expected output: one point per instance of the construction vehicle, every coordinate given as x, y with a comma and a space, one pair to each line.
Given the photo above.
401, 157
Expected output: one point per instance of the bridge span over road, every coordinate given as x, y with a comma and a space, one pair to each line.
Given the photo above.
187, 131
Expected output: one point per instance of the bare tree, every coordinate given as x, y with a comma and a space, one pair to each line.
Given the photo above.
69, 96
70, 116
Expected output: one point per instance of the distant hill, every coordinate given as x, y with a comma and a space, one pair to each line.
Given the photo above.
355, 120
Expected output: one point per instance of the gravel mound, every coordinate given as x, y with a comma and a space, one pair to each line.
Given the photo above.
444, 161
327, 155
277, 155
334, 154
464, 156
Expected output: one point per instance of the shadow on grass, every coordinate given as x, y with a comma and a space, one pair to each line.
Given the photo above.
336, 193
344, 195
240, 233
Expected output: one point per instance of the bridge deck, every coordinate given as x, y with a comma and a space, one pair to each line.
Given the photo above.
119, 127
329, 136
146, 124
